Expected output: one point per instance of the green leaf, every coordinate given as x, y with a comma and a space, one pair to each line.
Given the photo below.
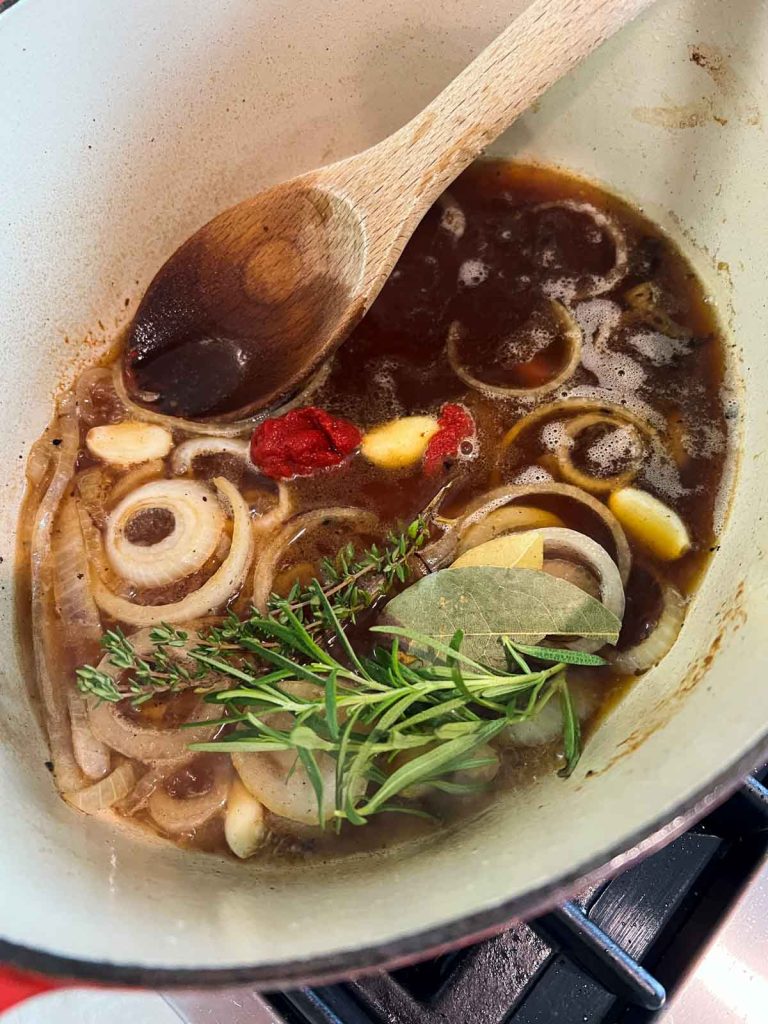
487, 603
428, 765
304, 738
561, 654
312, 769
571, 732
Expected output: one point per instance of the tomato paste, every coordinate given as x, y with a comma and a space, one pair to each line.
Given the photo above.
455, 426
302, 442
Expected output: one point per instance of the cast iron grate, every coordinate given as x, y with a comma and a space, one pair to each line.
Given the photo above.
608, 957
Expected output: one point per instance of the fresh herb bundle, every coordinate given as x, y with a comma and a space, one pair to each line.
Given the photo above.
362, 711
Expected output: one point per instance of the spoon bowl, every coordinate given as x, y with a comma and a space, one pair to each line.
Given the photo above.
279, 273
252, 303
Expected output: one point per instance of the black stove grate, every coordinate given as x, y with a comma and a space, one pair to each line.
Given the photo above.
607, 957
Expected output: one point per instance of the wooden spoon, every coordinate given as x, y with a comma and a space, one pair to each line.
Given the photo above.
256, 300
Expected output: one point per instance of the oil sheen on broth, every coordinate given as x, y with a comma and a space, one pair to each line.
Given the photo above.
481, 314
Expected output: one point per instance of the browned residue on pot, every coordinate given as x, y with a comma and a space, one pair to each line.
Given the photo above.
730, 618
729, 100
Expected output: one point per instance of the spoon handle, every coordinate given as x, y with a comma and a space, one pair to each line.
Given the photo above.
531, 54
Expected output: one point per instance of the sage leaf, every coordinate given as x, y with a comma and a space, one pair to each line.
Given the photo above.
487, 603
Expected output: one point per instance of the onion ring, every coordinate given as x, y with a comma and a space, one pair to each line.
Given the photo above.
505, 495
212, 595
293, 529
282, 785
142, 742
176, 815
51, 685
134, 479
560, 543
198, 522
185, 454
575, 476
650, 651
568, 407
506, 520
573, 336
105, 793
601, 283
158, 772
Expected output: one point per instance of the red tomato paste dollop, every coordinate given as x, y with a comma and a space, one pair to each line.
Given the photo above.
455, 425
302, 442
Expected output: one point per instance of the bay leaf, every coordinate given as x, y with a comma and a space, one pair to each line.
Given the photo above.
487, 602
512, 551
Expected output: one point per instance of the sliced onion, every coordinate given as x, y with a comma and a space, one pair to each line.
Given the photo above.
270, 559
105, 793
185, 454
573, 573
91, 754
142, 742
39, 460
650, 651
283, 786
213, 594
506, 495
177, 815
158, 773
236, 428
198, 522
508, 519
97, 560
277, 514
74, 601
570, 544
135, 478
570, 407
93, 487
52, 682
573, 335
604, 282
595, 484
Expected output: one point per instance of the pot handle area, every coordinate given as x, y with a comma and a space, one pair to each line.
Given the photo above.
16, 986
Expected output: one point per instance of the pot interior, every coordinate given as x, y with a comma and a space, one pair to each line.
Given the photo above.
126, 127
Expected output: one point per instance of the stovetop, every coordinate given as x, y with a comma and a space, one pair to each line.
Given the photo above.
679, 937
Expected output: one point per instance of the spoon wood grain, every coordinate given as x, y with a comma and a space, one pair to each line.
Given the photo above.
260, 296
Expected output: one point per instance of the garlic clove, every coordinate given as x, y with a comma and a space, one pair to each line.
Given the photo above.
244, 822
650, 522
128, 443
399, 443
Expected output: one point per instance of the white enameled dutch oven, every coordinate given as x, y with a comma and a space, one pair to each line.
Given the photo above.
123, 127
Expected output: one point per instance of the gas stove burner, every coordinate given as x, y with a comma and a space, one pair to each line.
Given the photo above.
620, 953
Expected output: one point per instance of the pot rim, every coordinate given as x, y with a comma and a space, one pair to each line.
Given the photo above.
349, 963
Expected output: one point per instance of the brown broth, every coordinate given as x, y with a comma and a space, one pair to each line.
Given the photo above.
497, 280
